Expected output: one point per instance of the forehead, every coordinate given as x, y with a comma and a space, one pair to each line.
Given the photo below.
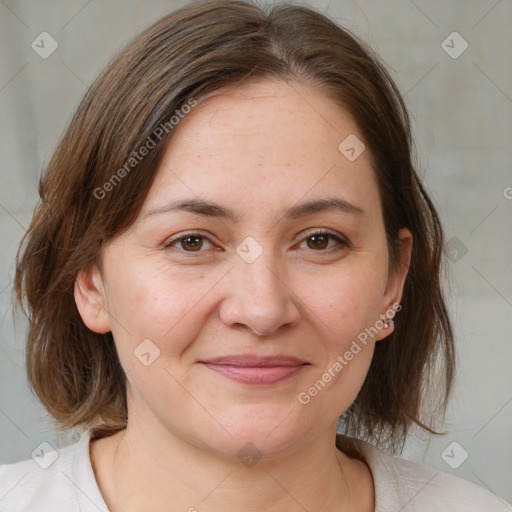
268, 142
293, 110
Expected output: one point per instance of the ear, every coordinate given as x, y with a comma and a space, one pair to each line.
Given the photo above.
395, 284
90, 299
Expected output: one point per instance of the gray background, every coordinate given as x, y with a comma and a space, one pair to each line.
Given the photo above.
461, 109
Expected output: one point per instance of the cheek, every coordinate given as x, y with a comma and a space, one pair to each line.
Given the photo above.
345, 311
345, 326
160, 316
349, 301
158, 305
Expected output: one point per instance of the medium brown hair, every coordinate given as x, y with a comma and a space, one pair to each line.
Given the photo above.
196, 51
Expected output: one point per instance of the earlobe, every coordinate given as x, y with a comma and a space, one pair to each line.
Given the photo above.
90, 300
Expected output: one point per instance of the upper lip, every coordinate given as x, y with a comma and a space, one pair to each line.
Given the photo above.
253, 360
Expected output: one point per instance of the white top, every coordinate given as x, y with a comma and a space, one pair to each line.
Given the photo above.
68, 484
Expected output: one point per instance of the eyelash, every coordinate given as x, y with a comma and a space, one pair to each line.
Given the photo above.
341, 241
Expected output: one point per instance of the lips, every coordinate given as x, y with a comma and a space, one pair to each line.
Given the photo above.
260, 361
256, 370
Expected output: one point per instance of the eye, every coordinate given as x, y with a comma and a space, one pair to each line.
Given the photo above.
190, 242
319, 240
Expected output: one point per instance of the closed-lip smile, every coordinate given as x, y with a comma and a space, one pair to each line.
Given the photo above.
256, 370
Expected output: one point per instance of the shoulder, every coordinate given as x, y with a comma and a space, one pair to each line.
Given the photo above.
53, 480
414, 487
32, 484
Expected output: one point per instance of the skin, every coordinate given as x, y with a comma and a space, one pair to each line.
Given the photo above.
259, 151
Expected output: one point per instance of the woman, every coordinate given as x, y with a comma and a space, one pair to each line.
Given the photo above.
226, 231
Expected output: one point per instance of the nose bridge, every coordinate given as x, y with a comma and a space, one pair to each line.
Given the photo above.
262, 276
260, 279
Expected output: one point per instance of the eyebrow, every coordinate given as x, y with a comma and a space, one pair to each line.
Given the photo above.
211, 209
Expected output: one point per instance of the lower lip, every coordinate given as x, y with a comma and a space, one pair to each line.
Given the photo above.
256, 375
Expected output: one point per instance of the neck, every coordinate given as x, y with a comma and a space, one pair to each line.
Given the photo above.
144, 476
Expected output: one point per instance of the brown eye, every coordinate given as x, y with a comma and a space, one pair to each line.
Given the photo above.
193, 243
190, 242
319, 241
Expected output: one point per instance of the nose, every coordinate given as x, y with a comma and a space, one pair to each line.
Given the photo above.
259, 297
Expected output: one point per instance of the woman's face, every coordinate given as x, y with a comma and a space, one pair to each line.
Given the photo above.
253, 279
